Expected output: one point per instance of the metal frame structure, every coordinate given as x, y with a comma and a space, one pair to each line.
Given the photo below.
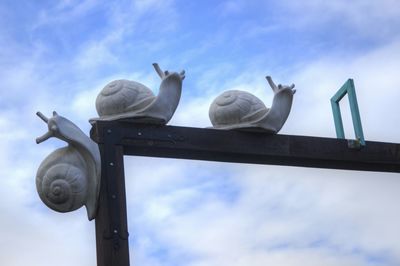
119, 138
349, 89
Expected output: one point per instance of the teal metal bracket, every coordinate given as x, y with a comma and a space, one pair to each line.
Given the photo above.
349, 89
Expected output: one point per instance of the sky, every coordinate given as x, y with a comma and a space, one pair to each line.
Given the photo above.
58, 55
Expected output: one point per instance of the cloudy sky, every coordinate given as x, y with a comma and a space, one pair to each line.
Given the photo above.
57, 55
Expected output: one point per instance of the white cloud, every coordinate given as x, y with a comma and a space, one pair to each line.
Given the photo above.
95, 55
375, 81
375, 78
25, 220
65, 11
206, 213
231, 7
377, 19
282, 214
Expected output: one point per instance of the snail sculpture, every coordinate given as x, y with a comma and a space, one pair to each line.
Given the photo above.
69, 177
236, 109
133, 100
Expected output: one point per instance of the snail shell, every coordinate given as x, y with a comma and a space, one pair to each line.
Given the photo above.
133, 100
61, 180
236, 107
121, 96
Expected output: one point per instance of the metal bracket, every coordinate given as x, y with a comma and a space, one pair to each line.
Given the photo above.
349, 89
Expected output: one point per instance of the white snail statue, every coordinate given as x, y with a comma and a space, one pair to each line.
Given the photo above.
133, 100
236, 109
69, 177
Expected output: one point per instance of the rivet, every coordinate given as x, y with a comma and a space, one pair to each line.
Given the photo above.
108, 131
139, 133
112, 164
115, 231
113, 196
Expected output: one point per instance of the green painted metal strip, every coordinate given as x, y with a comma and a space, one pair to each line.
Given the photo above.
355, 113
341, 92
337, 117
349, 89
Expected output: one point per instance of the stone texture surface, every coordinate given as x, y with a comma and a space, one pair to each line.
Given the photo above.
69, 177
241, 110
133, 100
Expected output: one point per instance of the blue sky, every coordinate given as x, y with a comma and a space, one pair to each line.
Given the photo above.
58, 55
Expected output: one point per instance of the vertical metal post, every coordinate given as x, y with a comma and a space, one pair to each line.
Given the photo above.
337, 118
111, 220
355, 113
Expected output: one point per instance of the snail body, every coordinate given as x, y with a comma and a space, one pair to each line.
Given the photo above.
69, 177
236, 109
133, 100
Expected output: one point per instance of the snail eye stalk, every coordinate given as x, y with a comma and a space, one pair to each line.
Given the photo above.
158, 70
42, 116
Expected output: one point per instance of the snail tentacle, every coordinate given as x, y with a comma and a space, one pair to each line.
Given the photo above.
44, 137
182, 74
158, 70
271, 83
42, 116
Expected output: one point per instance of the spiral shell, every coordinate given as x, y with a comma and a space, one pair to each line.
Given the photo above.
62, 181
64, 187
236, 107
121, 96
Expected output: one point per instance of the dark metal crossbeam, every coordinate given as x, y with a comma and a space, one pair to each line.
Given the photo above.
247, 147
120, 138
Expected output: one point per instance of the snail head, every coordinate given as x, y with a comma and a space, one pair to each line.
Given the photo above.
166, 73
280, 87
52, 125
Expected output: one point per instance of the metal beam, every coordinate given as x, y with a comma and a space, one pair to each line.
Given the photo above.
112, 246
247, 147
119, 138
